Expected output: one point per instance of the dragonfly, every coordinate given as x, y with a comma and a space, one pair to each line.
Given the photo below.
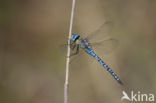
94, 39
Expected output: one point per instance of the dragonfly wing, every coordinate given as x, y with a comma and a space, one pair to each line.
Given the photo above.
101, 33
63, 48
76, 58
105, 47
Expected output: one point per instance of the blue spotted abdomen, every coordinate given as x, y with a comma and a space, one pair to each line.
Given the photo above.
91, 52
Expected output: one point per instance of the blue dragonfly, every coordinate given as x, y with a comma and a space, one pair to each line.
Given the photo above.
95, 39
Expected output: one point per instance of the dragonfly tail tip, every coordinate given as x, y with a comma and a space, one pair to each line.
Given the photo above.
120, 82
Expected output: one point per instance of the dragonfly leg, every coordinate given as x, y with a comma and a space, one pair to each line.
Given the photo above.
77, 50
72, 46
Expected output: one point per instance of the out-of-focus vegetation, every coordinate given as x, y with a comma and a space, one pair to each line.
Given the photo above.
32, 70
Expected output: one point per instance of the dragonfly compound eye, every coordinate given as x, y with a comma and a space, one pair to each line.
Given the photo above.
75, 37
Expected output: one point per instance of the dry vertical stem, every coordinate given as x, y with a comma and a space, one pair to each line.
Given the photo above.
68, 55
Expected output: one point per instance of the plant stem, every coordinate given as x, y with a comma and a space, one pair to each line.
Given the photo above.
68, 55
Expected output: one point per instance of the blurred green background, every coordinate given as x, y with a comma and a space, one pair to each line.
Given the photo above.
32, 70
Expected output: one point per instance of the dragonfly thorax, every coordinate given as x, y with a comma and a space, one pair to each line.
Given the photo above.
80, 41
84, 43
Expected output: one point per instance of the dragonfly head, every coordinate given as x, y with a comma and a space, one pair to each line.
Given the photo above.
75, 37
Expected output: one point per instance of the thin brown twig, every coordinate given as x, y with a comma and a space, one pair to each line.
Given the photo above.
68, 55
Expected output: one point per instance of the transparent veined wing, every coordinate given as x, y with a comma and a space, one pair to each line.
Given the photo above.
99, 41
105, 47
101, 33
63, 48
